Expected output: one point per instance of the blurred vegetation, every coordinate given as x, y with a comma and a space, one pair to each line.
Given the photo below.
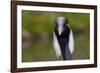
38, 27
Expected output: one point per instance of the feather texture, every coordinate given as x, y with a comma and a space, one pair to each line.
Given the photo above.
71, 42
56, 46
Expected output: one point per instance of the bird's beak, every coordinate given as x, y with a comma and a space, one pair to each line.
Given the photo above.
60, 29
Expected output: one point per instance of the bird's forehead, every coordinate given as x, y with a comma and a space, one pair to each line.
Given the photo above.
61, 20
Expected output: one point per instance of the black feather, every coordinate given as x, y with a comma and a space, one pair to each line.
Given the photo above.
63, 40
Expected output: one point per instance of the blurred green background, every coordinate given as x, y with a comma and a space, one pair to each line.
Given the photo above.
37, 35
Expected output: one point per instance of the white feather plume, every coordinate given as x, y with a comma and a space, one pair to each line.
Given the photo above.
71, 41
56, 46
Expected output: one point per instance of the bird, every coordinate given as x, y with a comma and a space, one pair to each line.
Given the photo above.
63, 40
